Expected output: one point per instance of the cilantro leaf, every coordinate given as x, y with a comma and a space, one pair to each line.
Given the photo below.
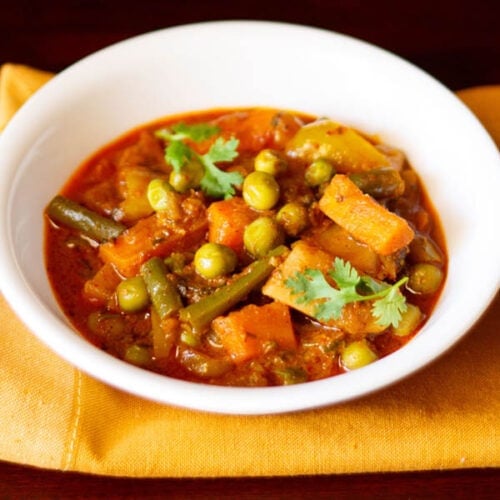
344, 274
311, 286
222, 150
180, 131
388, 309
197, 132
177, 154
369, 284
219, 184
216, 182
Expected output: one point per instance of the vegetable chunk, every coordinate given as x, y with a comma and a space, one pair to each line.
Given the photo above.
343, 146
302, 256
244, 333
101, 287
338, 242
155, 236
356, 318
259, 128
227, 220
200, 314
364, 218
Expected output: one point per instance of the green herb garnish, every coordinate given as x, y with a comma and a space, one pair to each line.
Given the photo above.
311, 285
216, 182
197, 132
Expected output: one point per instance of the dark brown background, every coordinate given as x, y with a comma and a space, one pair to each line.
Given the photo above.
456, 42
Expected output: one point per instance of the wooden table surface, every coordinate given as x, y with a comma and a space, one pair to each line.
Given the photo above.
456, 42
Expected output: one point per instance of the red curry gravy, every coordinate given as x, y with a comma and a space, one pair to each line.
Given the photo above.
113, 183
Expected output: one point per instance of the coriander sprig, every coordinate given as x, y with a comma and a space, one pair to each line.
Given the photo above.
311, 285
215, 182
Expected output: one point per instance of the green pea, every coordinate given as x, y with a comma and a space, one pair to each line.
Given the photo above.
425, 278
410, 320
319, 172
260, 190
212, 260
270, 162
261, 236
162, 197
357, 354
132, 294
137, 355
188, 177
293, 218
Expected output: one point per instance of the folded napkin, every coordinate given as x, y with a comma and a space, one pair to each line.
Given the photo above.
17, 83
54, 416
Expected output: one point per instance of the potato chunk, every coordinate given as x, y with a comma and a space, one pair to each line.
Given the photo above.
356, 318
343, 146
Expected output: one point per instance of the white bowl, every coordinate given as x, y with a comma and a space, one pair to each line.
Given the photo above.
224, 64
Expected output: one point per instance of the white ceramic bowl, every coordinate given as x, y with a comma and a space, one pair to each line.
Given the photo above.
225, 64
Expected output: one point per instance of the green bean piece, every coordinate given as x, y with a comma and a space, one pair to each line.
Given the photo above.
380, 182
163, 334
319, 172
199, 314
162, 292
75, 216
357, 354
270, 162
212, 260
132, 294
202, 365
261, 190
190, 337
425, 278
261, 236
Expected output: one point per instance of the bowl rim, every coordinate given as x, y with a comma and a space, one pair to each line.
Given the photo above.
229, 400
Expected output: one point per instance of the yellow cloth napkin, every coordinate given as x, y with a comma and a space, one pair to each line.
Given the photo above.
17, 83
53, 416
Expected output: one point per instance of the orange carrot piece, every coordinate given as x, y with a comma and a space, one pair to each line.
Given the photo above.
259, 128
227, 220
244, 333
150, 237
363, 217
101, 287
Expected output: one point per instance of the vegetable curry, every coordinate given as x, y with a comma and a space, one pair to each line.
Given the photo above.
246, 247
